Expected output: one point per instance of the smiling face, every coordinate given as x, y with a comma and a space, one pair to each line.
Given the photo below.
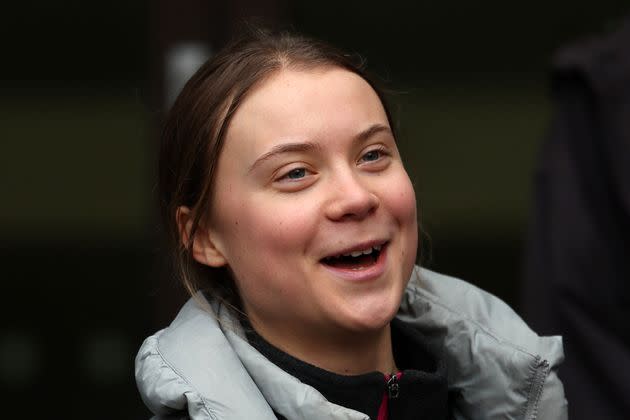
309, 172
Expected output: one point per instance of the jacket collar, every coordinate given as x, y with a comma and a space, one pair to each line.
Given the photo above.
496, 365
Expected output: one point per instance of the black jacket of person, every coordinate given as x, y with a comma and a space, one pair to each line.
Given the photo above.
578, 261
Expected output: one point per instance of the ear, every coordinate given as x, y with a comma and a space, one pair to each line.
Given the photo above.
204, 249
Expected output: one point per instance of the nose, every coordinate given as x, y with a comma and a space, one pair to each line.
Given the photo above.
351, 199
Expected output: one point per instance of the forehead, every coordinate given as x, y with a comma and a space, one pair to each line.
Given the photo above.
305, 105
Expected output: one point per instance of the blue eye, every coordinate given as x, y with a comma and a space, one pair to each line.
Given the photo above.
296, 173
372, 155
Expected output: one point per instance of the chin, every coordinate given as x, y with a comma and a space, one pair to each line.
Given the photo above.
373, 317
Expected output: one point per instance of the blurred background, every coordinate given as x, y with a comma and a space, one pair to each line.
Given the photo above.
83, 88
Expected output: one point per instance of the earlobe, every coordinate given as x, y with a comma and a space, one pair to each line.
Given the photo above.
204, 248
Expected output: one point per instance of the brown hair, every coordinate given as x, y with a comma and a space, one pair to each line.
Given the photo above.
195, 128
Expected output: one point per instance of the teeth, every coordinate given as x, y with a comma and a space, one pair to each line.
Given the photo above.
367, 251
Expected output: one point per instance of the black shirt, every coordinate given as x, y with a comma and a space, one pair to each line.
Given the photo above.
422, 388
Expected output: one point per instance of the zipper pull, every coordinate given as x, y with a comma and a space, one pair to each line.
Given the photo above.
393, 387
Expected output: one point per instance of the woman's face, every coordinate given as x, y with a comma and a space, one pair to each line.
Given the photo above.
313, 211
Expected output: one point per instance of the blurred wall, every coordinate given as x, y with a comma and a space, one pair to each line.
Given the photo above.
80, 100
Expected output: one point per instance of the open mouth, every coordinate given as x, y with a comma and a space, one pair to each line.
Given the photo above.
355, 260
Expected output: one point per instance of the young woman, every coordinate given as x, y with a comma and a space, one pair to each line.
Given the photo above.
294, 226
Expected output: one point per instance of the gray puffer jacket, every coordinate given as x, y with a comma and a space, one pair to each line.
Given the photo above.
202, 367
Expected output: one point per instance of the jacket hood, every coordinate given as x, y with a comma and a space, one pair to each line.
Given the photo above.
202, 364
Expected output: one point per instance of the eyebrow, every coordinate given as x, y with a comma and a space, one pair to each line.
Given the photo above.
372, 130
285, 148
310, 146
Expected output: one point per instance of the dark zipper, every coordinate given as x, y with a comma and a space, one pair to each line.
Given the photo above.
392, 390
393, 387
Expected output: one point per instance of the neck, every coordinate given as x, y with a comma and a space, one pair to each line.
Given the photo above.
342, 352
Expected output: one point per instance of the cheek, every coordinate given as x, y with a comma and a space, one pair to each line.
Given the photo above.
402, 205
268, 228
265, 247
402, 202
